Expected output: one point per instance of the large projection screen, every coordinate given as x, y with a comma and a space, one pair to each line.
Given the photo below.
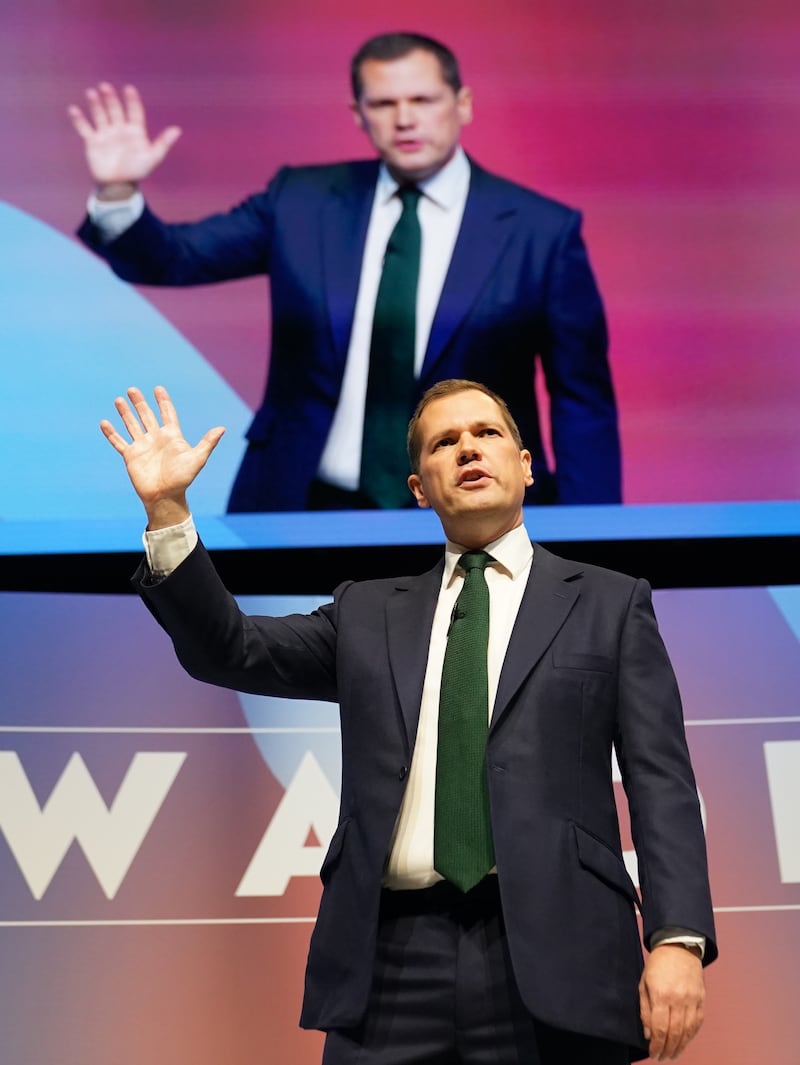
672, 127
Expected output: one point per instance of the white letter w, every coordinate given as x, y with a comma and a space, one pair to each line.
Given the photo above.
110, 838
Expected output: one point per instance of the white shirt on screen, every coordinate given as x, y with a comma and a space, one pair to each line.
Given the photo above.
440, 210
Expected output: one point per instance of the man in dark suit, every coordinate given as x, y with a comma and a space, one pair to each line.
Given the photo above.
503, 278
536, 955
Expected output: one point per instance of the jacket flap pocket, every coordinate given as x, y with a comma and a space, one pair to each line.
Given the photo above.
604, 863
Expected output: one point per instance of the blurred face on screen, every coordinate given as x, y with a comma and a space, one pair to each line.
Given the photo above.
471, 469
410, 114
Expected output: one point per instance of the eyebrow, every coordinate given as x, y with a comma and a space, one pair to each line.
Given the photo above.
473, 427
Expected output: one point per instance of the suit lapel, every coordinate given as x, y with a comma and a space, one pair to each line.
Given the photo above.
409, 619
486, 227
345, 218
549, 597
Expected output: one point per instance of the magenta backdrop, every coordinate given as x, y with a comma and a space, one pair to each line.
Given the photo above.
673, 126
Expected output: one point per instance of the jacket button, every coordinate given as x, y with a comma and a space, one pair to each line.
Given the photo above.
403, 772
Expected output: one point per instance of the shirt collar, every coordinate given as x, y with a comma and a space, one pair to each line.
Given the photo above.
512, 552
446, 188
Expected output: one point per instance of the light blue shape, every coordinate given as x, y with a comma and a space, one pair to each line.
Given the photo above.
398, 527
72, 337
316, 723
787, 600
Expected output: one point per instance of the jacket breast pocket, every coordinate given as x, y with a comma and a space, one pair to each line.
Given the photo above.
584, 661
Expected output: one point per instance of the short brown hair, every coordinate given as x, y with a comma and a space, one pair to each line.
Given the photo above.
388, 46
449, 388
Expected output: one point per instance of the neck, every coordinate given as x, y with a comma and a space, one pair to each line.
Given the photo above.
476, 535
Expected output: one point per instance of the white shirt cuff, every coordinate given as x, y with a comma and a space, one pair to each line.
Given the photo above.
685, 940
113, 217
167, 548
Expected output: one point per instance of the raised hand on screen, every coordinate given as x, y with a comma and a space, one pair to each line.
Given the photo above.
119, 150
160, 462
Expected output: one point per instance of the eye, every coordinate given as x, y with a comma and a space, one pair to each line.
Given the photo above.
489, 431
442, 442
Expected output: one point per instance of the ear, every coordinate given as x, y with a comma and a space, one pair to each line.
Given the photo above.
525, 460
415, 484
464, 101
358, 118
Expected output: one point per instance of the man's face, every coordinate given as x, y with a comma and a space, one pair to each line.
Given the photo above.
411, 114
471, 471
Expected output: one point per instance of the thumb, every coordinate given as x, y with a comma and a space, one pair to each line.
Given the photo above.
209, 441
164, 141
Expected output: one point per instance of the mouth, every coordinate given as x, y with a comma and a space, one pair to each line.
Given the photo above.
473, 476
409, 145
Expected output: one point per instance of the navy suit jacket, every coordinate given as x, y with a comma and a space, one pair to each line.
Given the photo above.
585, 670
519, 287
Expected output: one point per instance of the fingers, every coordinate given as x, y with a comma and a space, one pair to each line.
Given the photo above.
115, 113
143, 409
106, 108
129, 419
670, 1031
141, 420
671, 998
83, 127
166, 408
112, 436
97, 107
134, 105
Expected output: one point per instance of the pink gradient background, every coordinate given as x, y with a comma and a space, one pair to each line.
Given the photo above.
674, 128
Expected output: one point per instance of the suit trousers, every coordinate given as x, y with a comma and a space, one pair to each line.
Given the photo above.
444, 992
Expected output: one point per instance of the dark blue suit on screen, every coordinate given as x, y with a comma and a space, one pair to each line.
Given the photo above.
519, 287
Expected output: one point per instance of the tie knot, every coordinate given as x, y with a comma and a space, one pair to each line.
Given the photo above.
471, 560
409, 196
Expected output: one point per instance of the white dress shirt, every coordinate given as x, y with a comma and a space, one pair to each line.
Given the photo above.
410, 862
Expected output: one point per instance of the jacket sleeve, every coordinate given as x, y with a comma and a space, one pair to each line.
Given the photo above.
222, 247
659, 782
291, 657
583, 411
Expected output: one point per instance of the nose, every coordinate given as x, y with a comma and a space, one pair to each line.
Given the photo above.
404, 114
468, 449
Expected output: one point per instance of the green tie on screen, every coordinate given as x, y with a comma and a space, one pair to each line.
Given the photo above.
390, 386
463, 852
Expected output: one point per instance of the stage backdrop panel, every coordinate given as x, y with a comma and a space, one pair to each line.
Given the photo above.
160, 839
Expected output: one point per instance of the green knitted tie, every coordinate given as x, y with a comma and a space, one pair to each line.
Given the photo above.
462, 844
391, 382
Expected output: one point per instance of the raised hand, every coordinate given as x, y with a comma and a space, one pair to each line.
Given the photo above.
119, 151
160, 462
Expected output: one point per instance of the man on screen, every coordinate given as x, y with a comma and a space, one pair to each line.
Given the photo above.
385, 277
476, 907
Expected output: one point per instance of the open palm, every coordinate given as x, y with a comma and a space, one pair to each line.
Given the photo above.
119, 149
160, 462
